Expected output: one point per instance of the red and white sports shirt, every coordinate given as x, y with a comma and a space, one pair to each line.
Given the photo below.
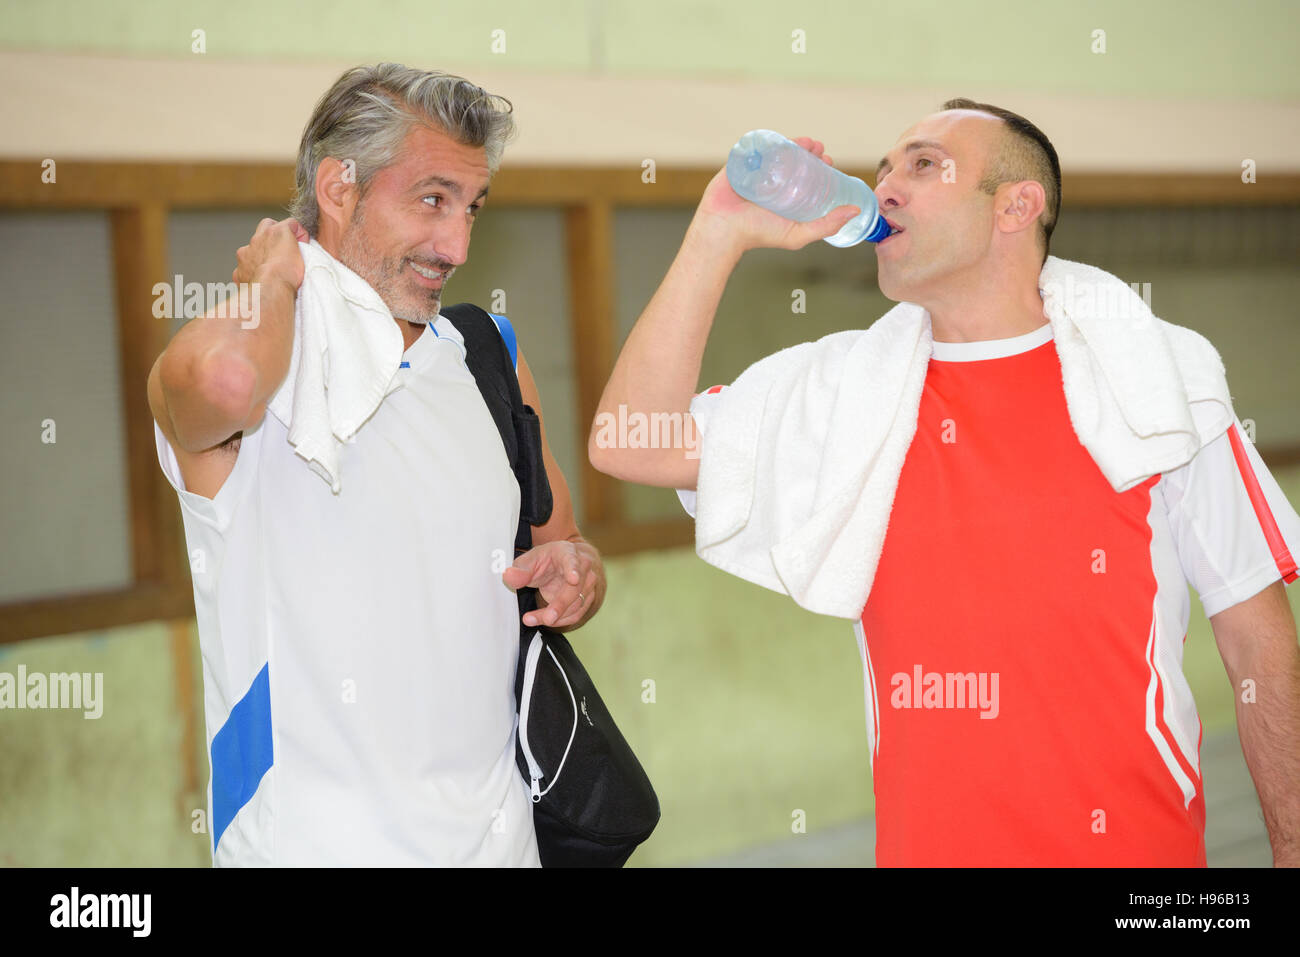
1022, 643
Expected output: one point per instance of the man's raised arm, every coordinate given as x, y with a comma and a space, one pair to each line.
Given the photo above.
217, 374
659, 368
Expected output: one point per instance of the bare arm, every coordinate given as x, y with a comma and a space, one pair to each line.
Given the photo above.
1257, 639
217, 373
658, 369
566, 569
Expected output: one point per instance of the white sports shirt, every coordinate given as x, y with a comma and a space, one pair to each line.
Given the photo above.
359, 650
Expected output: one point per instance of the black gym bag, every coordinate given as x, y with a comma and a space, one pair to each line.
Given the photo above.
592, 801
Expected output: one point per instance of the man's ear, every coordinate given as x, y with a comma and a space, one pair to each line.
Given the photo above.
1018, 205
336, 191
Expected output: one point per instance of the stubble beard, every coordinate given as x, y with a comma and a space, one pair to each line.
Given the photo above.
387, 277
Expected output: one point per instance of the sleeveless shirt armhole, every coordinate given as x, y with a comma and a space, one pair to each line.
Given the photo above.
216, 512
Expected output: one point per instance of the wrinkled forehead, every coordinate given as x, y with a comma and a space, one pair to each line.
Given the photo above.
429, 154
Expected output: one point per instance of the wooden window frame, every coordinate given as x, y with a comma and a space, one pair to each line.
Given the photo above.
138, 197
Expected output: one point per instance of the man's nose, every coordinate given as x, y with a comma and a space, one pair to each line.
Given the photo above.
886, 193
452, 242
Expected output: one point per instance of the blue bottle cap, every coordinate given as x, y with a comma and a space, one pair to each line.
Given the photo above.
881, 230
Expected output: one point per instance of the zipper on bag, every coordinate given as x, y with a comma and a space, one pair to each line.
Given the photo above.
535, 647
530, 675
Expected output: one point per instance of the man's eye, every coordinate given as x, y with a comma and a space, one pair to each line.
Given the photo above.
437, 199
923, 160
474, 208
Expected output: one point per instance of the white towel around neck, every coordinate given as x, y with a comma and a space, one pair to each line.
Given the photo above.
802, 455
347, 348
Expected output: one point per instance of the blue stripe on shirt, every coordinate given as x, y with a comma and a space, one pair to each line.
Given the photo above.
241, 754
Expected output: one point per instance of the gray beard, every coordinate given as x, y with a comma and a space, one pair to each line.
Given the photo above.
385, 277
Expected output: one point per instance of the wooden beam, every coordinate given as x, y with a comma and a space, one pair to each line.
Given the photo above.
187, 709
1177, 189
140, 260
625, 538
541, 186
589, 236
91, 611
1279, 456
93, 185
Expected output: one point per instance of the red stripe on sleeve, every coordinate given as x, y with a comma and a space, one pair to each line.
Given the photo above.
1267, 523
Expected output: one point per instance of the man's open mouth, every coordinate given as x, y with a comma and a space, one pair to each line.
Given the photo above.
432, 274
894, 231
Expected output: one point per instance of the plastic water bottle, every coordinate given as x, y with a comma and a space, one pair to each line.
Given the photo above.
780, 175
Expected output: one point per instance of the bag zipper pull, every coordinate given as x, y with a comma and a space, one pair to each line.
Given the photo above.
536, 791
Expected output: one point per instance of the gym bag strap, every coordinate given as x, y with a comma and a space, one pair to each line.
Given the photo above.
592, 801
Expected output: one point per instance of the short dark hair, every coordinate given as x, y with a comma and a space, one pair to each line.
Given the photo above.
1025, 153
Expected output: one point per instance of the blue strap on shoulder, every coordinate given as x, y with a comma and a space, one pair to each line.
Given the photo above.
508, 334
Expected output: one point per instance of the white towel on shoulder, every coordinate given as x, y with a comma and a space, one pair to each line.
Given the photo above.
346, 351
802, 455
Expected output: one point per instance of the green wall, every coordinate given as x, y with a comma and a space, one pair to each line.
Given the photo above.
1186, 49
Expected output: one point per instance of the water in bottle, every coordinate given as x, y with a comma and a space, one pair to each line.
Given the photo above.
780, 175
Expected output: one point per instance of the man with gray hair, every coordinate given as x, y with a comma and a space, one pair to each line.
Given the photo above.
360, 645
